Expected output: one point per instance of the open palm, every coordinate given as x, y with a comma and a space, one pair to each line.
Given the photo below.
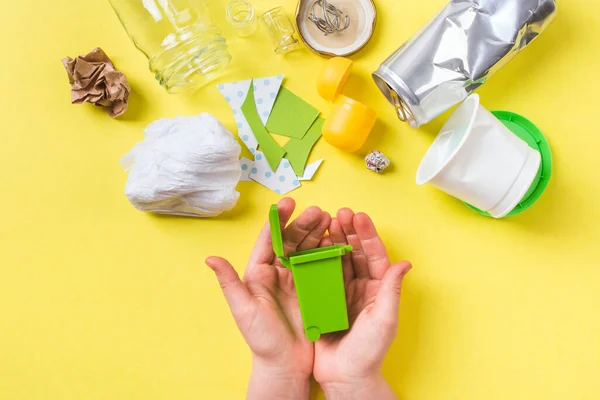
265, 305
372, 291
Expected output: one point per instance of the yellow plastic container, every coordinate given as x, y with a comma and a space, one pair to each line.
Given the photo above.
349, 122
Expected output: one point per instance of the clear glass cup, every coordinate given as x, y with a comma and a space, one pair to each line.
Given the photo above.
185, 50
241, 15
280, 29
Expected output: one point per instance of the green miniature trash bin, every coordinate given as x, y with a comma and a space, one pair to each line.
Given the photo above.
319, 280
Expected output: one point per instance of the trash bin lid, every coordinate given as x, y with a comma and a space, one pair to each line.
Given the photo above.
276, 235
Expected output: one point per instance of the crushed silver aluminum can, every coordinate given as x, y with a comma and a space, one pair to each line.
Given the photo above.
457, 52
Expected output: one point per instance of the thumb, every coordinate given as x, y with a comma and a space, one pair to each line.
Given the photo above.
234, 290
387, 302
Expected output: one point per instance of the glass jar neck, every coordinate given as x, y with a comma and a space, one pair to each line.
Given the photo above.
192, 60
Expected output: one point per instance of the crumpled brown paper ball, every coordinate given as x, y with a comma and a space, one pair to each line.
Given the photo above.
94, 79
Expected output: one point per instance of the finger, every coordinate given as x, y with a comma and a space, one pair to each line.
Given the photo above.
314, 237
372, 245
337, 236
234, 290
286, 207
359, 261
387, 302
262, 253
300, 228
326, 241
263, 249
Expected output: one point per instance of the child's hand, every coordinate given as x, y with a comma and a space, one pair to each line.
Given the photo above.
348, 364
265, 307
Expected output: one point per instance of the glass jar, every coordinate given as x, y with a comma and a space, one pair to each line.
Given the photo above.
185, 50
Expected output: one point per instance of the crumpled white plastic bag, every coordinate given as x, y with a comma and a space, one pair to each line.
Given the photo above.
184, 166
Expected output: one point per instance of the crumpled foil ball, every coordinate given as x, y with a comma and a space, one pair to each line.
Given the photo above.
94, 79
184, 166
377, 161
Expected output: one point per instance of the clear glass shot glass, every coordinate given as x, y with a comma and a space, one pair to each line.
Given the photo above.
241, 15
280, 29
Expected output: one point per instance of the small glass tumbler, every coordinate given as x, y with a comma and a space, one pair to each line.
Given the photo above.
240, 14
281, 30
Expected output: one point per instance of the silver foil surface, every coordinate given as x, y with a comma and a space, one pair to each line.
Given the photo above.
464, 45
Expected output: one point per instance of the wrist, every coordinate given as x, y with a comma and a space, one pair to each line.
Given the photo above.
263, 368
370, 387
274, 382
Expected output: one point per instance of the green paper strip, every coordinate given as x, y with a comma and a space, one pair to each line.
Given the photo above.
273, 152
291, 116
299, 149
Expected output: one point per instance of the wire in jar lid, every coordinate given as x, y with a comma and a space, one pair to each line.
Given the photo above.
332, 19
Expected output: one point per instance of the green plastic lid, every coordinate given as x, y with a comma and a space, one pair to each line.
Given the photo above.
276, 235
531, 134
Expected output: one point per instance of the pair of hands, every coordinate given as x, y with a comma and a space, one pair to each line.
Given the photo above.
265, 307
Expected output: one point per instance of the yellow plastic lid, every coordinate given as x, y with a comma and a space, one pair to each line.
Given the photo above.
333, 77
348, 124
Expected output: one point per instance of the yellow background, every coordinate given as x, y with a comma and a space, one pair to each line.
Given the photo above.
100, 301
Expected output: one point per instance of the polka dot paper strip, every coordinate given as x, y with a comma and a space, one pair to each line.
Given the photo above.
246, 166
265, 93
283, 180
310, 171
235, 94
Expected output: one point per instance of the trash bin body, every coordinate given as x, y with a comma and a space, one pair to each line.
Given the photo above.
319, 281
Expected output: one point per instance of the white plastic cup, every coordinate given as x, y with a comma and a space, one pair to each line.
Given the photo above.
476, 159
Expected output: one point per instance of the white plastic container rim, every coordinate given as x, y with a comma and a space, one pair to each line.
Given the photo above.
476, 159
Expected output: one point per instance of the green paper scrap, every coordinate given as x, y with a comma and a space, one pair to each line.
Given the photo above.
291, 116
299, 149
272, 150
